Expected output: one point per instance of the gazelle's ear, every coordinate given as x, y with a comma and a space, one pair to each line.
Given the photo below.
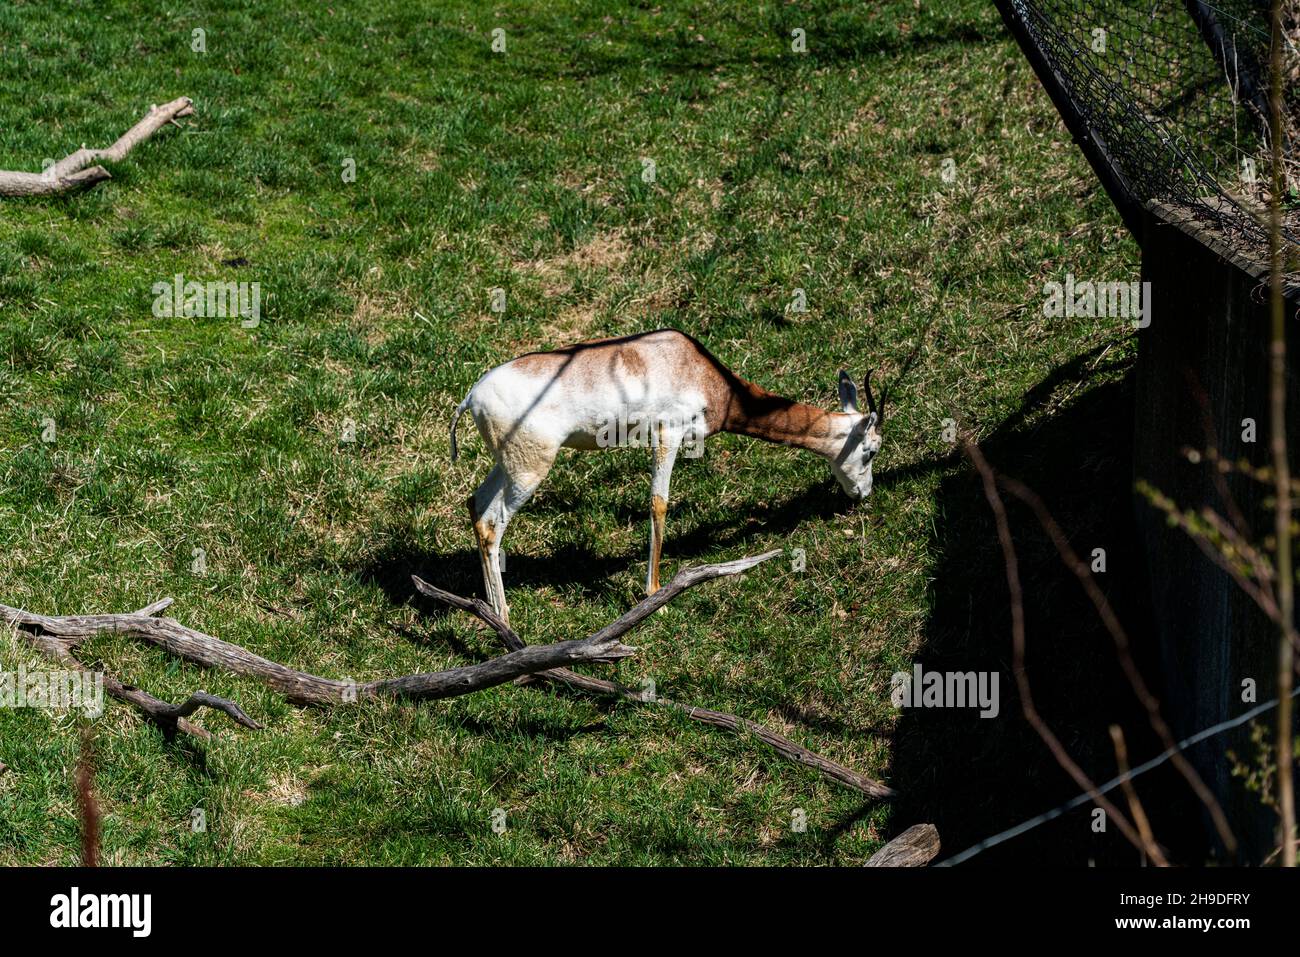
848, 393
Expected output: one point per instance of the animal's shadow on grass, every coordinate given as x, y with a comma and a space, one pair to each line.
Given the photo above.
822, 500
184, 746
458, 571
571, 565
974, 777
531, 728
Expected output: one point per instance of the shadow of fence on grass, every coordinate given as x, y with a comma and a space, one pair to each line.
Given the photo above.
973, 776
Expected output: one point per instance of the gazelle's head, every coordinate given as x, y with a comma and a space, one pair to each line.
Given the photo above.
861, 439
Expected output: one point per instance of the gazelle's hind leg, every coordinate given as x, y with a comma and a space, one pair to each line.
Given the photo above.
485, 509
664, 455
493, 506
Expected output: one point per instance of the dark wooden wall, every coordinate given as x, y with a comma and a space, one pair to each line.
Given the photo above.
1209, 330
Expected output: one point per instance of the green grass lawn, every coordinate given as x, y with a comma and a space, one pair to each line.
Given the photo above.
774, 171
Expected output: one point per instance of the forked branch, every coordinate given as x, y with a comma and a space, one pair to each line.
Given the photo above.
57, 637
75, 172
170, 717
684, 579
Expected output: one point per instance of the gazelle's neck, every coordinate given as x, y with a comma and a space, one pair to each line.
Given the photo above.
755, 412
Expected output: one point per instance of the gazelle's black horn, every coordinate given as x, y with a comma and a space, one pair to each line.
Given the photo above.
871, 399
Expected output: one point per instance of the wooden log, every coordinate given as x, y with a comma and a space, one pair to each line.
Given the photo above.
915, 847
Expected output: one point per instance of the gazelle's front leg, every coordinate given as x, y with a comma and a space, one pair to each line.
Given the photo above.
665, 454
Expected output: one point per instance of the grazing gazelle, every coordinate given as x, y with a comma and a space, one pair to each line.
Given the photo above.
669, 389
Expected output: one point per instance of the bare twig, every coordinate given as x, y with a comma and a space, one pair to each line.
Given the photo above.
1119, 636
1217, 476
1281, 465
1035, 720
730, 722
1262, 474
1024, 827
1259, 567
86, 803
1258, 590
75, 171
1134, 805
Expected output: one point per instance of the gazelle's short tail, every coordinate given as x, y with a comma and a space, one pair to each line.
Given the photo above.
456, 418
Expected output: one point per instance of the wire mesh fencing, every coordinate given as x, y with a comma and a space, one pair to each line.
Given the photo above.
1170, 102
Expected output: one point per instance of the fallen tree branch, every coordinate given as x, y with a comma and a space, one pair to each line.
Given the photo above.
75, 171
598, 686
170, 717
56, 636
